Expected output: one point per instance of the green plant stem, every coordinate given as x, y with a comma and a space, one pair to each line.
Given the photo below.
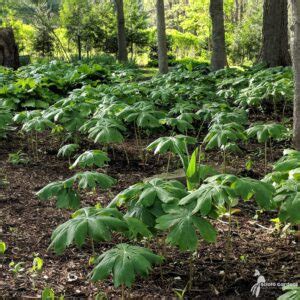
169, 160
136, 135
93, 247
139, 135
266, 153
113, 152
228, 241
126, 155
224, 161
191, 272
123, 291
200, 129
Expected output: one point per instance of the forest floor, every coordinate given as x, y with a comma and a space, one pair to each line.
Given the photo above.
26, 224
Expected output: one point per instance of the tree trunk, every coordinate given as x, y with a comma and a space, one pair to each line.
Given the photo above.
161, 37
296, 66
9, 54
79, 47
218, 57
122, 44
275, 48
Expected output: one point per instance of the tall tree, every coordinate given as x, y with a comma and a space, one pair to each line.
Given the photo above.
218, 57
122, 44
275, 48
161, 37
296, 66
9, 55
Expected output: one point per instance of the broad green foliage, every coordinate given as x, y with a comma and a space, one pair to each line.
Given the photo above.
107, 131
124, 262
67, 150
275, 84
197, 172
288, 200
37, 124
146, 200
264, 132
65, 193
237, 116
5, 120
183, 225
93, 179
174, 144
91, 158
180, 124
222, 134
286, 179
225, 190
137, 228
143, 114
291, 293
18, 158
89, 222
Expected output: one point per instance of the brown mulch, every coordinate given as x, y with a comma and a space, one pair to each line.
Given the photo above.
26, 225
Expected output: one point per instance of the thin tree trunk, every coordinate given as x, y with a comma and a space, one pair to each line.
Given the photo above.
79, 46
218, 58
122, 44
9, 54
296, 66
161, 37
275, 48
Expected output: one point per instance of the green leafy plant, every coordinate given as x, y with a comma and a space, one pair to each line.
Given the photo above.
224, 137
197, 172
145, 200
68, 150
16, 268
174, 144
18, 158
107, 131
65, 193
124, 262
89, 222
66, 196
91, 179
267, 132
183, 225
2, 247
91, 158
48, 294
37, 264
291, 293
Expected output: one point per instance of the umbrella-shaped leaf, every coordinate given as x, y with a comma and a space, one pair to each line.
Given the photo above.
124, 262
90, 222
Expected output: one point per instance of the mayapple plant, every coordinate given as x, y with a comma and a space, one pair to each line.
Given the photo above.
124, 262
67, 196
266, 133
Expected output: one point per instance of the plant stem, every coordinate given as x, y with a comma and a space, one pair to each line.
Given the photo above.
93, 246
266, 145
169, 160
228, 241
200, 129
136, 136
191, 266
224, 161
123, 292
126, 154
